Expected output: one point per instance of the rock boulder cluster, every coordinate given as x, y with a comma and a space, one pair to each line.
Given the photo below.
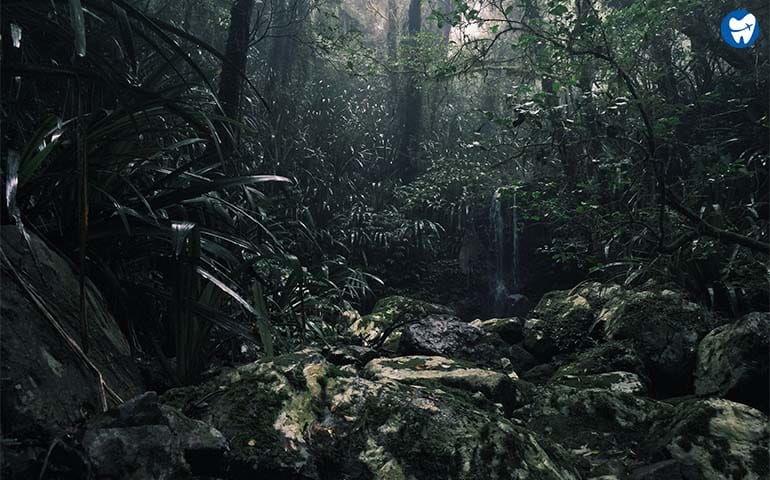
599, 382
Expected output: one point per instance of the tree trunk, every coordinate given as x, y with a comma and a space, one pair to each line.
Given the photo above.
231, 79
411, 101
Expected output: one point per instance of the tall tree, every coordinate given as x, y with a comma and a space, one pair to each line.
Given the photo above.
411, 101
233, 70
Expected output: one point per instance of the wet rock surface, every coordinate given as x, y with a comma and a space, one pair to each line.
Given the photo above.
48, 382
733, 362
455, 400
621, 382
510, 329
722, 439
665, 328
445, 335
605, 429
383, 325
438, 372
299, 417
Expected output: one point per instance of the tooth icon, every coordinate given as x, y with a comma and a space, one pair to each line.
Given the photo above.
743, 29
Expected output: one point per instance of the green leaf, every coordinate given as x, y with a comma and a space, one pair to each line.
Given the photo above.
189, 193
260, 306
260, 317
558, 10
127, 35
78, 27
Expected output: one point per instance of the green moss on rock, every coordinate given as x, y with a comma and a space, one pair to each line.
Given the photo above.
607, 357
390, 311
724, 439
343, 426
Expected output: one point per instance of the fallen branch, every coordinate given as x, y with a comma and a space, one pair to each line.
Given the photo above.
709, 230
104, 389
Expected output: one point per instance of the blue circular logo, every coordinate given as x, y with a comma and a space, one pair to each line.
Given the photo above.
740, 29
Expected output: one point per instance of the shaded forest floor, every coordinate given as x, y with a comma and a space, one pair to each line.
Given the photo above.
598, 381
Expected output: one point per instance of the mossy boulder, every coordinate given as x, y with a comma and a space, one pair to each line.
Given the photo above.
300, 417
723, 439
622, 382
665, 328
46, 384
441, 373
605, 428
143, 439
447, 336
263, 410
565, 321
510, 330
608, 357
597, 294
382, 325
561, 323
732, 362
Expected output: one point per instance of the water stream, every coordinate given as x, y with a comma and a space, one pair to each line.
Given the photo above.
501, 293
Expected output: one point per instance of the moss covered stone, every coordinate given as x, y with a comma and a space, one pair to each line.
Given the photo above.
605, 428
336, 425
608, 357
622, 382
732, 361
393, 311
509, 329
665, 328
724, 439
432, 371
562, 323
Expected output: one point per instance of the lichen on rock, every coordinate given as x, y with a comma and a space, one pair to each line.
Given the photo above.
388, 314
724, 439
299, 415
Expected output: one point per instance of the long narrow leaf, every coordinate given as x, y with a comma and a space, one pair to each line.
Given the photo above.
181, 195
78, 27
263, 326
263, 323
126, 34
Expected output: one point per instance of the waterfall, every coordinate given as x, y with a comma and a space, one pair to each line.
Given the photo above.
515, 253
503, 296
500, 291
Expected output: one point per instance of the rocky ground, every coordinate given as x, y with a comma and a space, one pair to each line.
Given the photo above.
599, 382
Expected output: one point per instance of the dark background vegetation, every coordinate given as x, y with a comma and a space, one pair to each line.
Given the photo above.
235, 173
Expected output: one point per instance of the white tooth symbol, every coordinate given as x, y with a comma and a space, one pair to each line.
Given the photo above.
742, 30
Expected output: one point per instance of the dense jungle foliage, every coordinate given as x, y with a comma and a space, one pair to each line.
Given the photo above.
235, 175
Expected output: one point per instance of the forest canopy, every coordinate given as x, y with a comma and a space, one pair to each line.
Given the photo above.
260, 167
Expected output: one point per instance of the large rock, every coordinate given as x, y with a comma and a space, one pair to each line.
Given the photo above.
723, 439
621, 382
665, 328
666, 470
47, 384
300, 417
355, 355
561, 323
510, 329
733, 362
388, 316
564, 321
606, 429
605, 358
447, 336
135, 453
439, 335
439, 372
144, 439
